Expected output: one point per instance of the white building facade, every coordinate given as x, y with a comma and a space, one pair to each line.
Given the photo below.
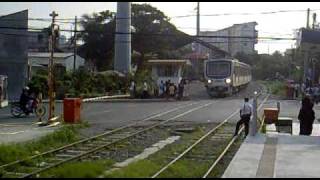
38, 60
239, 38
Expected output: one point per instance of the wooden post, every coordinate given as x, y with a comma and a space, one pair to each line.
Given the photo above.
51, 69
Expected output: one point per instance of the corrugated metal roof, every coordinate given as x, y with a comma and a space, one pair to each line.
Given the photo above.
182, 61
48, 54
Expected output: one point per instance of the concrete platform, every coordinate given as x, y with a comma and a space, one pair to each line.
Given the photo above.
276, 155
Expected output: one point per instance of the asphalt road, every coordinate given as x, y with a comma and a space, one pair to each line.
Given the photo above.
199, 109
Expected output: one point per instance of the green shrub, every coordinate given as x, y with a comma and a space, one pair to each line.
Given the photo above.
79, 169
12, 152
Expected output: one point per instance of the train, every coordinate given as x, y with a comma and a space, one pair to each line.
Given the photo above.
224, 77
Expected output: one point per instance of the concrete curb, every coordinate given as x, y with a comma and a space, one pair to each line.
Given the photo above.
137, 100
105, 97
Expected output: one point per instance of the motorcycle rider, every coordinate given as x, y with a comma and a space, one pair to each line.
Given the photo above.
26, 100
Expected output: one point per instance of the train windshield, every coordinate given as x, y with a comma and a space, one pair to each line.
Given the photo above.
218, 69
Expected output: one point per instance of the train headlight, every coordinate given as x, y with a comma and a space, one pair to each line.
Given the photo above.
228, 81
209, 81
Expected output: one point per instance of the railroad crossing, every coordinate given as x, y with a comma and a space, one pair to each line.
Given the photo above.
109, 127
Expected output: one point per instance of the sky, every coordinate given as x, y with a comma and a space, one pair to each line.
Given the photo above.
269, 25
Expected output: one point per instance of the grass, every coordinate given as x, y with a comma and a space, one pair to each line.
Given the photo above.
90, 169
276, 87
140, 169
65, 135
220, 168
148, 167
79, 170
181, 169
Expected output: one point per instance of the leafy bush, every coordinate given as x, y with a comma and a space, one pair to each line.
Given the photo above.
85, 84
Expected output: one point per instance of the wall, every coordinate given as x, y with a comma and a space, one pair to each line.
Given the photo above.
69, 62
232, 45
14, 51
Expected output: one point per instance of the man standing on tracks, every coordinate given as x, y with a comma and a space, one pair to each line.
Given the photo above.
245, 114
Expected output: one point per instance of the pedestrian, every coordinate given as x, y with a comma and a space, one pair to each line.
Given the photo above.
180, 89
306, 116
296, 89
317, 94
145, 93
245, 115
132, 89
161, 88
168, 83
172, 90
303, 88
1, 94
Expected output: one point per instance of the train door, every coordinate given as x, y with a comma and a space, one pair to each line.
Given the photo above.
3, 91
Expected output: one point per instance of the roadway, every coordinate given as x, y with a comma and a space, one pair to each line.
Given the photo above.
108, 115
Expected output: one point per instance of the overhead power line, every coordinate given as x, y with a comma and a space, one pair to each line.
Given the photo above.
244, 14
159, 34
71, 20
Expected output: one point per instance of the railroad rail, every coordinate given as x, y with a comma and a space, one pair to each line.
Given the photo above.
219, 137
88, 146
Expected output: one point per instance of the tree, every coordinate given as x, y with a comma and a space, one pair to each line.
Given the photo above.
153, 32
267, 66
98, 39
153, 35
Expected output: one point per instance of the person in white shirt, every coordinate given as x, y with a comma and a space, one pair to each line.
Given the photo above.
245, 114
145, 90
132, 89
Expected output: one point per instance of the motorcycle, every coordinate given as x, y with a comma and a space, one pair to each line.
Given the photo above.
32, 107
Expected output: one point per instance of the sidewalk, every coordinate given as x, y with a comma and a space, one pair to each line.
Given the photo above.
21, 132
277, 155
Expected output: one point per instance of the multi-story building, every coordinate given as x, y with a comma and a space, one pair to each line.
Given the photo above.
235, 39
14, 51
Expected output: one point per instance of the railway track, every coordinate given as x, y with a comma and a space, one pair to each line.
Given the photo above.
219, 139
34, 165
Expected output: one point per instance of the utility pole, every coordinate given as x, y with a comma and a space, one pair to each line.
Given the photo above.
75, 44
308, 14
293, 53
253, 123
314, 17
51, 69
306, 54
198, 33
123, 38
198, 18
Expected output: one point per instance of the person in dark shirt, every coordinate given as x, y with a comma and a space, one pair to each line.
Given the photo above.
24, 99
306, 116
181, 89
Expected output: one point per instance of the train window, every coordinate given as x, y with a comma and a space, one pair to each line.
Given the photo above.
216, 68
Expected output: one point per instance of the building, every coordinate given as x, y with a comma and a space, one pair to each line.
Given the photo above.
228, 39
308, 43
14, 51
168, 69
40, 60
38, 41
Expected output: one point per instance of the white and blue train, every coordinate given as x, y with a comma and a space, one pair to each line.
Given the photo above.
225, 76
